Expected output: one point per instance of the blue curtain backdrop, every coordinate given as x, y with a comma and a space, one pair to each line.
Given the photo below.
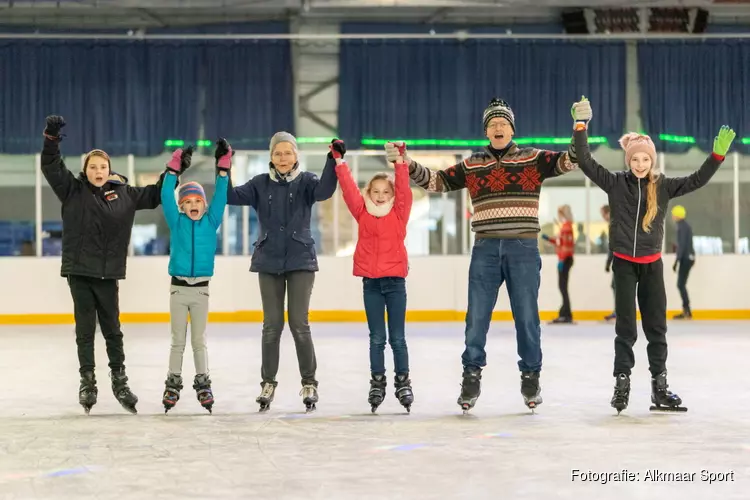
691, 88
130, 96
439, 89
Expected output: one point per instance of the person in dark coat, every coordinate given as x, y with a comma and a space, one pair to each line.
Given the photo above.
284, 255
684, 258
98, 209
638, 199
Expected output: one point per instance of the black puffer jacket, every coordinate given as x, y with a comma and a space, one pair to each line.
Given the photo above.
627, 199
97, 222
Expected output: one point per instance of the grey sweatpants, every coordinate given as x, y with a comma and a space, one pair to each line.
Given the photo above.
273, 290
186, 300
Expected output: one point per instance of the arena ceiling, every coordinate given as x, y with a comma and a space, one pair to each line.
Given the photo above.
165, 13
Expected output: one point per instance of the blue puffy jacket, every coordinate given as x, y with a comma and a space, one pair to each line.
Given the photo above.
193, 243
284, 209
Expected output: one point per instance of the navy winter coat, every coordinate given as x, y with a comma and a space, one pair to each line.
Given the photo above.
284, 208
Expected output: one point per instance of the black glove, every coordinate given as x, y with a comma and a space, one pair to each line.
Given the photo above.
674, 266
187, 159
54, 124
222, 148
338, 146
606, 268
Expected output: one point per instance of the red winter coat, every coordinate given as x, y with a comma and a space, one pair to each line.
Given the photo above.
564, 242
380, 251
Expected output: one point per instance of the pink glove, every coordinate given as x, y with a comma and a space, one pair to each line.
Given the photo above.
225, 160
175, 164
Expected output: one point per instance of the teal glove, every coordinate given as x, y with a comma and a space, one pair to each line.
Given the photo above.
723, 140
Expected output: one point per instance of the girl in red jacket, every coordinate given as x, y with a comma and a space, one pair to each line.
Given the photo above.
565, 246
380, 260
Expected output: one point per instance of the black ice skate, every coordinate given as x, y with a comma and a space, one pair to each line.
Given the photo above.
87, 391
471, 388
202, 386
621, 397
403, 391
377, 391
122, 392
686, 314
663, 399
530, 390
309, 395
173, 386
266, 395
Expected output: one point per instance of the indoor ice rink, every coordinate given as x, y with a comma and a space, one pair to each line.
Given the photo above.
142, 81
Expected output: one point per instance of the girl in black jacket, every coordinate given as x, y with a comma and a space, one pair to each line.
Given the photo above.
638, 199
98, 208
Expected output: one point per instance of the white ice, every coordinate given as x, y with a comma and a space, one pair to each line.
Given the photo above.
50, 449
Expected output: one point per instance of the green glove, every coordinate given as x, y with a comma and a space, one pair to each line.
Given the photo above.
581, 110
723, 140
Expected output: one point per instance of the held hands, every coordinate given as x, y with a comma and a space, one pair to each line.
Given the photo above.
581, 113
54, 124
396, 152
723, 140
337, 149
181, 160
223, 155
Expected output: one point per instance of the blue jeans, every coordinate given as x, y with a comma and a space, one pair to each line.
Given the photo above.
381, 294
515, 262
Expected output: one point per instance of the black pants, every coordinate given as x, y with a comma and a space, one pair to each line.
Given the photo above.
274, 288
647, 282
92, 298
563, 274
683, 271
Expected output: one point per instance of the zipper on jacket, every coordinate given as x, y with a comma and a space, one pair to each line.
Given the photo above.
192, 250
637, 215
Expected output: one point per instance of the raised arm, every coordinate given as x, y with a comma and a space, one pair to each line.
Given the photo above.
451, 179
579, 147
349, 189
219, 200
218, 204
147, 197
599, 175
404, 196
168, 201
325, 186
679, 186
60, 179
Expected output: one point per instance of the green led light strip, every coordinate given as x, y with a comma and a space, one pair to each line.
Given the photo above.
458, 143
685, 139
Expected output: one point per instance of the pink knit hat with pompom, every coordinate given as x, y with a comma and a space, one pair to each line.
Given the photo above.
633, 143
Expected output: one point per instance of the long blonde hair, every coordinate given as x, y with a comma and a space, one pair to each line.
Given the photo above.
652, 206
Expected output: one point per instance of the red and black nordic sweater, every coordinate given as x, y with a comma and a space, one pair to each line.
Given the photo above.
504, 190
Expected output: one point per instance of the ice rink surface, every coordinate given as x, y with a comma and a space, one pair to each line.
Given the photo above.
50, 449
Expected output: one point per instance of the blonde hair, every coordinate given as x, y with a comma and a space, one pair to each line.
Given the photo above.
652, 206
380, 176
567, 212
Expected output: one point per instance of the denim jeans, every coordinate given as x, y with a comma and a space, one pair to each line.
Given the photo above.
381, 294
516, 262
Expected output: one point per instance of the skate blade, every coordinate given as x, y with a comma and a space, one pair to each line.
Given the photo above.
87, 409
310, 408
131, 410
668, 409
264, 408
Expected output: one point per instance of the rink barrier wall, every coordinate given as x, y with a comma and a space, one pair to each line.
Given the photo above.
35, 294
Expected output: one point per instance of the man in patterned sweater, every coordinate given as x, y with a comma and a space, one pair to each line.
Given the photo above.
504, 182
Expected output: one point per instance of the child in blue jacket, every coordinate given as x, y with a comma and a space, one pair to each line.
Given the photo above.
193, 227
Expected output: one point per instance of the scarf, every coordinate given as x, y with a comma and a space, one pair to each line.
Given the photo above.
378, 210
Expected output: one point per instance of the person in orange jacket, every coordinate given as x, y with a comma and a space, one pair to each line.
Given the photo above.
565, 247
380, 259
